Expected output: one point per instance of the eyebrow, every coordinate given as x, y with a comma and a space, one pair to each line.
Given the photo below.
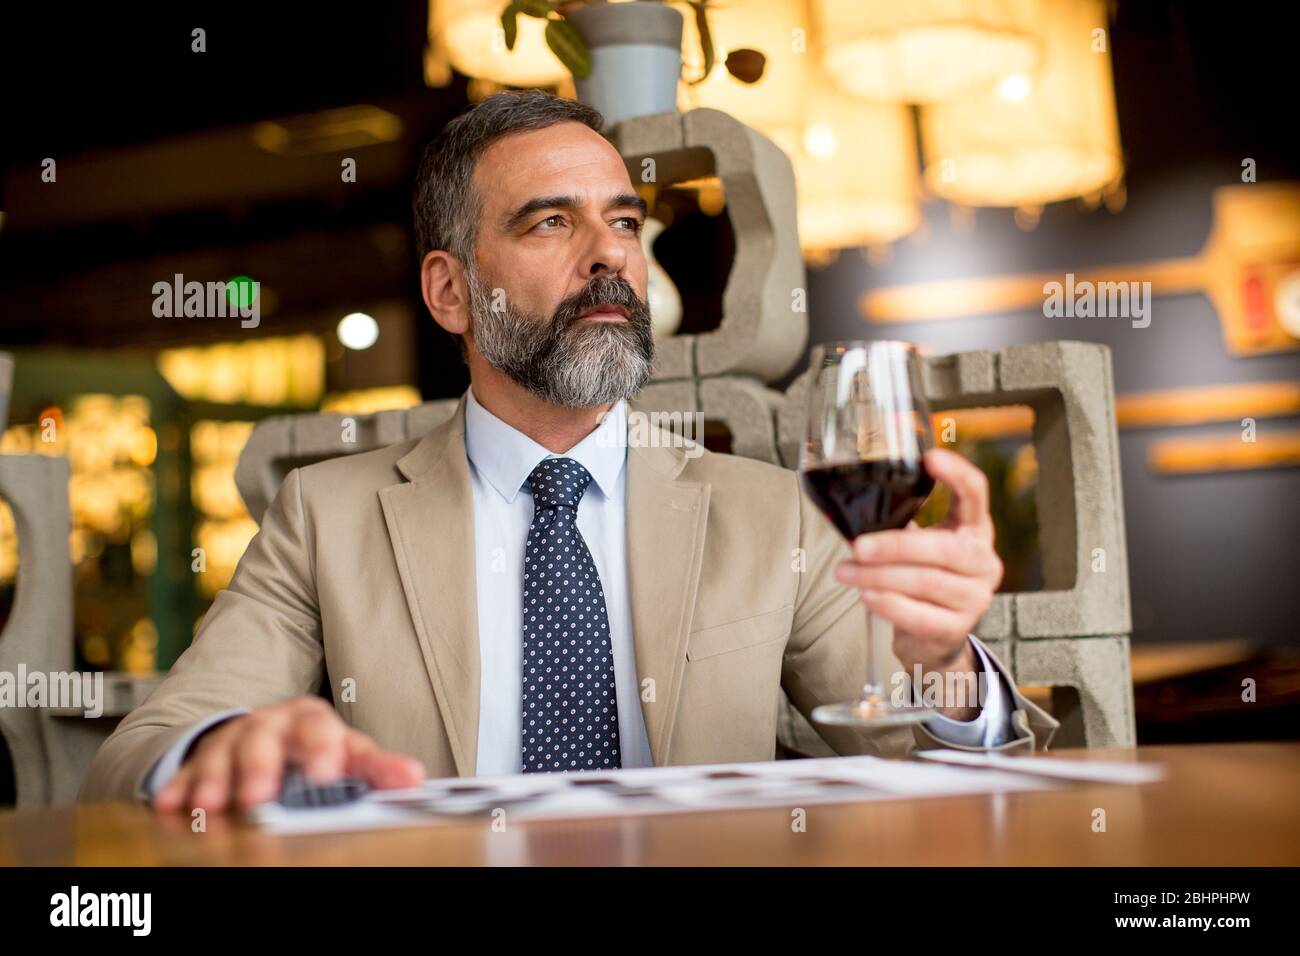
517, 216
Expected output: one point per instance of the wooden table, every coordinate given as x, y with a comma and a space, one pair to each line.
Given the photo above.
1233, 804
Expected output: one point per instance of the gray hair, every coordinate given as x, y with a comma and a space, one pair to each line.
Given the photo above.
447, 206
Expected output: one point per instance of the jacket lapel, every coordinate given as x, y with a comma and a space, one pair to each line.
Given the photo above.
430, 521
666, 519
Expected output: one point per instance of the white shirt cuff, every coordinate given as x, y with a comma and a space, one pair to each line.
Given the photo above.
166, 766
992, 726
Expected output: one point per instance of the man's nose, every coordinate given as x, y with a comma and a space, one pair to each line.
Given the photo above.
606, 255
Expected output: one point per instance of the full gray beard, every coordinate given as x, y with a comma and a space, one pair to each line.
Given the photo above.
576, 366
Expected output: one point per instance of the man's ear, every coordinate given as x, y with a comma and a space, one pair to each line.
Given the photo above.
445, 291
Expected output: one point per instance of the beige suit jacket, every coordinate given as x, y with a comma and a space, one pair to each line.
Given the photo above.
362, 574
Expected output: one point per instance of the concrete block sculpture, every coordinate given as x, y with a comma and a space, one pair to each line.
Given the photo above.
284, 442
764, 325
38, 635
1083, 608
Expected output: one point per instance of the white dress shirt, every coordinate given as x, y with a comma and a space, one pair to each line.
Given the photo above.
501, 458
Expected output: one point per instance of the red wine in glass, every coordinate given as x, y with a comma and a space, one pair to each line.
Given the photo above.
862, 466
866, 496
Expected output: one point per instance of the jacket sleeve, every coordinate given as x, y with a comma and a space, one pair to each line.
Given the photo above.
826, 658
259, 644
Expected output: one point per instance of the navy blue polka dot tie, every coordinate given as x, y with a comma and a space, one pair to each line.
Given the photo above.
570, 712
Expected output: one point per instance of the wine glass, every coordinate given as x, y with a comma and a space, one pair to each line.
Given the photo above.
868, 426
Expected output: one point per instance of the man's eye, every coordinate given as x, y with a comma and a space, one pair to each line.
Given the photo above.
630, 222
552, 221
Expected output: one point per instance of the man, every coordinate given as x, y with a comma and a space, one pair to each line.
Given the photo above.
520, 590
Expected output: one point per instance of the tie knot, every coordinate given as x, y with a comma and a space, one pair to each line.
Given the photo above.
558, 482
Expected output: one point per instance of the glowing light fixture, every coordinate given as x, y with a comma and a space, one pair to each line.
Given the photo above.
328, 131
855, 172
358, 331
266, 371
820, 141
854, 162
925, 51
1015, 88
1025, 145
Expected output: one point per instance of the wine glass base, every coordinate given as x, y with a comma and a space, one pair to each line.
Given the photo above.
864, 713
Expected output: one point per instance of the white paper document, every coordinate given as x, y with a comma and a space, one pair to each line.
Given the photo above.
737, 786
1092, 771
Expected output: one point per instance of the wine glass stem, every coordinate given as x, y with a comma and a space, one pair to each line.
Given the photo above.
871, 689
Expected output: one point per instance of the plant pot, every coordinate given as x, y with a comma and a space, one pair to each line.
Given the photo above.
636, 58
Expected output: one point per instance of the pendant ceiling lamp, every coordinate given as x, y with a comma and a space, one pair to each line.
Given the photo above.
925, 51
855, 163
1034, 139
855, 171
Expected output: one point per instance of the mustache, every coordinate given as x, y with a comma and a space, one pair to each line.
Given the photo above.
602, 290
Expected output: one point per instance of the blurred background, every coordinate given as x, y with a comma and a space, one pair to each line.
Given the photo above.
943, 175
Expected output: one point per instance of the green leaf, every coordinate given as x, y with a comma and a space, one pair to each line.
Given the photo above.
706, 40
510, 23
541, 9
567, 44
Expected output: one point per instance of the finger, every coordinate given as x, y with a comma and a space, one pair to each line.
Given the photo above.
920, 619
381, 769
956, 592
259, 764
178, 793
970, 488
944, 548
212, 779
171, 798
317, 741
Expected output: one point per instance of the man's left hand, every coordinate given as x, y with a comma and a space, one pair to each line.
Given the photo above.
934, 583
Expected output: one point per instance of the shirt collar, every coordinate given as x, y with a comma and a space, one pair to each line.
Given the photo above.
506, 456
